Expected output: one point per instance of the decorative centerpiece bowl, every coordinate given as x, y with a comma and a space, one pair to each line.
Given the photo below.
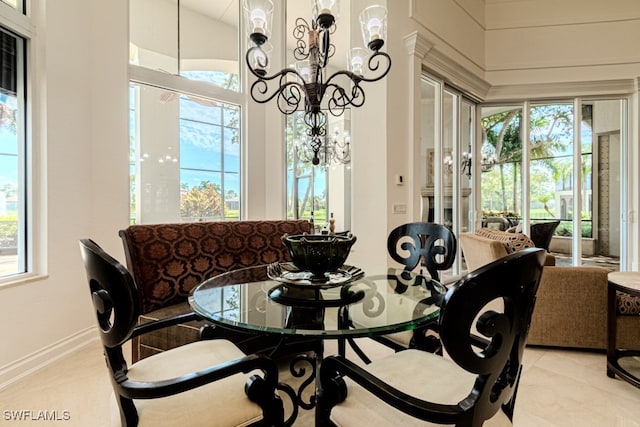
319, 253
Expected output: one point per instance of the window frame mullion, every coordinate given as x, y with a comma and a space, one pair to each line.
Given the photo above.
149, 77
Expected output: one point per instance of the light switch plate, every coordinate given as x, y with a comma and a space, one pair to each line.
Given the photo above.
399, 208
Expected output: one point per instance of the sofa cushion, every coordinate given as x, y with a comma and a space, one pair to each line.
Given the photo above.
571, 308
479, 251
513, 242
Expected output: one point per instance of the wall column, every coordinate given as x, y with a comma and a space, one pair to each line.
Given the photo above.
417, 49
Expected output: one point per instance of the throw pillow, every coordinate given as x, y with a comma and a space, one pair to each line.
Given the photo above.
628, 304
512, 241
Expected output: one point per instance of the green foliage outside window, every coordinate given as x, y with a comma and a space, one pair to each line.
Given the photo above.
202, 202
565, 228
8, 231
550, 168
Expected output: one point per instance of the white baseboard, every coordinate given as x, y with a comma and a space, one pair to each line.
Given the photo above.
45, 356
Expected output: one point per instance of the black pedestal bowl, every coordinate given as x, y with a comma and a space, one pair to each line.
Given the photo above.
319, 253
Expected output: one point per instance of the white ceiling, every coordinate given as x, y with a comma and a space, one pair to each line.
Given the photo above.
227, 11
221, 10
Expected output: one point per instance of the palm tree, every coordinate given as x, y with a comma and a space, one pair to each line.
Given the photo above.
497, 129
550, 127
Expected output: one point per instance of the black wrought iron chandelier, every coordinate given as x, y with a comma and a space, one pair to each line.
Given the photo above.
308, 81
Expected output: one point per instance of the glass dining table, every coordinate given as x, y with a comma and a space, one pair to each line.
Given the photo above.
350, 303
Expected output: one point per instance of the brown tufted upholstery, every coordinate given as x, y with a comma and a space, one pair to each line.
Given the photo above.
168, 260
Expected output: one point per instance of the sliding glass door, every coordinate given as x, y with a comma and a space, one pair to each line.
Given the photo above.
558, 163
447, 130
500, 162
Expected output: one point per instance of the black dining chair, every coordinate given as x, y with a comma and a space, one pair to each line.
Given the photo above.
484, 322
433, 244
433, 247
209, 382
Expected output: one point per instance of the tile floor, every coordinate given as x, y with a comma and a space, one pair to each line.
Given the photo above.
558, 388
610, 263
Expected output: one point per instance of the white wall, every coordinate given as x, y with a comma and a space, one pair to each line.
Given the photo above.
83, 176
264, 153
447, 29
540, 41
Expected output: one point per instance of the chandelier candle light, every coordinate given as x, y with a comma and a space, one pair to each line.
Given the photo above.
308, 81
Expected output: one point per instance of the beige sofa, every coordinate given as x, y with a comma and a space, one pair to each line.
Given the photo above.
571, 306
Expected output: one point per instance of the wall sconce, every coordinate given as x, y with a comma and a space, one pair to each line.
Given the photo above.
465, 164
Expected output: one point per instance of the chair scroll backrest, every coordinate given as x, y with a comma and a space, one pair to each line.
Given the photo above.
435, 243
513, 281
117, 304
113, 293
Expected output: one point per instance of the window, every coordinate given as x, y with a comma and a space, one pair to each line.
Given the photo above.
185, 157
14, 257
323, 189
185, 115
18, 4
573, 179
194, 39
306, 184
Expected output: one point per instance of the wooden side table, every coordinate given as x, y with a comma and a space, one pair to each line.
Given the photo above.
623, 299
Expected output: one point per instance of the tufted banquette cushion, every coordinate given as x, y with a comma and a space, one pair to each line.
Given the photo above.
168, 260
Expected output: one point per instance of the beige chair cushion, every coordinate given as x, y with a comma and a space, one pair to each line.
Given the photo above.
417, 373
220, 403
